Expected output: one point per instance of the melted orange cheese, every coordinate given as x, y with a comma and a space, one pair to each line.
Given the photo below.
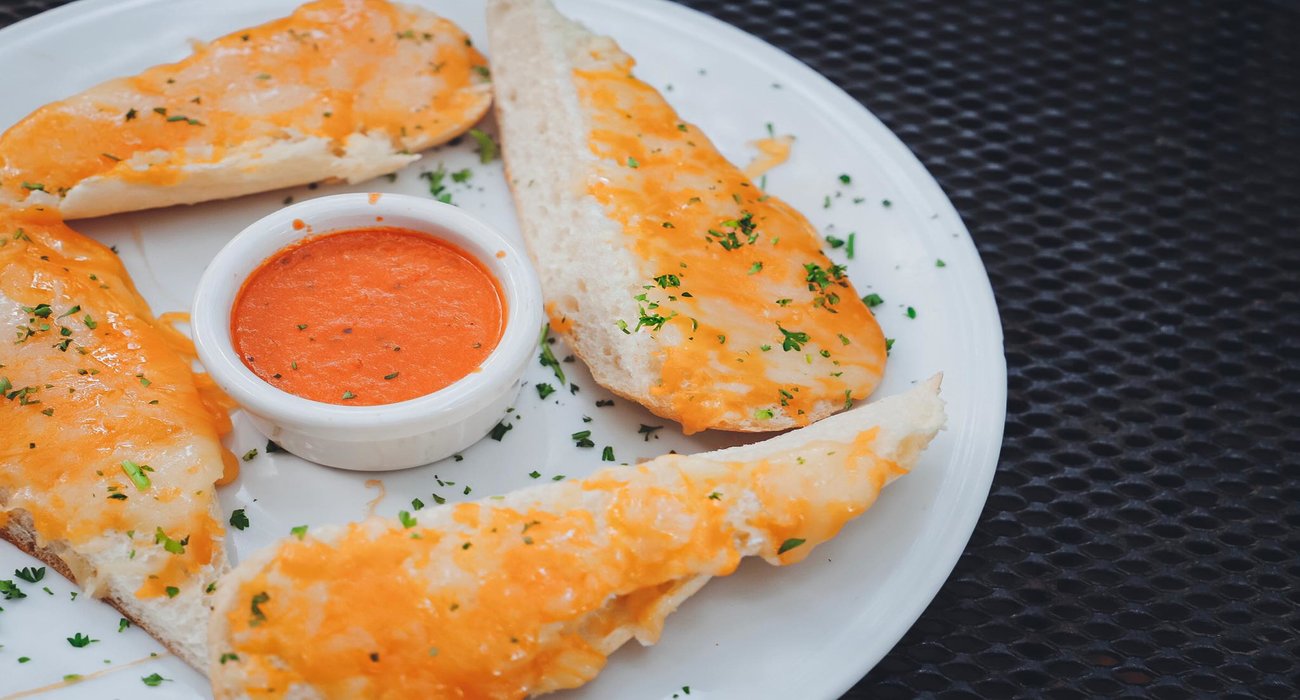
331, 69
757, 321
771, 153
490, 600
91, 380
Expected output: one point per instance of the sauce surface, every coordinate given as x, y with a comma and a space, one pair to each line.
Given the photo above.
367, 316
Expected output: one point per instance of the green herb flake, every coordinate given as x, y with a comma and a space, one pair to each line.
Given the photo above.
299, 531
348, 395
793, 340
250, 455
763, 414
845, 178
547, 357
30, 575
872, 300
228, 656
80, 640
544, 390
911, 312
255, 604
834, 242
607, 455
172, 591
487, 148
239, 519
407, 520
500, 429
534, 474
789, 545
169, 544
136, 473
632, 162
122, 625
940, 263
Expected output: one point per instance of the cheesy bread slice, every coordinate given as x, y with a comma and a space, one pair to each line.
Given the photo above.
109, 445
527, 594
681, 284
339, 90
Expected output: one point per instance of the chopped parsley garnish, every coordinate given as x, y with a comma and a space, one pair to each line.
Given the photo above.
90, 322
632, 162
250, 455
302, 326
499, 430
940, 263
228, 656
33, 186
80, 640
886, 203
406, 519
604, 402
834, 242
534, 474
437, 189
730, 240
130, 114
872, 300
789, 545
487, 148
172, 591
648, 430
544, 390
889, 345
483, 71
763, 414
607, 455
153, 680
299, 531
30, 575
136, 474
848, 249
715, 496
848, 399
756, 268
793, 340
391, 376
70, 311
911, 312
666, 281
122, 625
258, 616
461, 176
845, 179
547, 358
173, 546
348, 395
238, 519
417, 504
583, 438
438, 499
11, 590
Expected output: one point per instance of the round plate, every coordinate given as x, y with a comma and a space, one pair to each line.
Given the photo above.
807, 631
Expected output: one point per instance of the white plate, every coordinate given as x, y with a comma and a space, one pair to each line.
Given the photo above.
808, 631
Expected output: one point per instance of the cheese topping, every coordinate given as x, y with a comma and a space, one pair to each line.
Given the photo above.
103, 431
529, 594
331, 69
759, 325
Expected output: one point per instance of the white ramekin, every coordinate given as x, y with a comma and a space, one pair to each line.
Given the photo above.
389, 436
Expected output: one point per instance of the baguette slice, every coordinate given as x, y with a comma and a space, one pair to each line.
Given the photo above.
109, 444
339, 90
678, 281
530, 593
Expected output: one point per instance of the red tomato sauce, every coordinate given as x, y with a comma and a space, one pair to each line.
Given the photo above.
367, 316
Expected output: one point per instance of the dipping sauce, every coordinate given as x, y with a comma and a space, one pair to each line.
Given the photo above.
367, 316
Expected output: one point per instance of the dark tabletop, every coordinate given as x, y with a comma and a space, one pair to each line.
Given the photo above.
1131, 175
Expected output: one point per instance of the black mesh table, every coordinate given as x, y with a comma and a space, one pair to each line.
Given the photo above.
1131, 175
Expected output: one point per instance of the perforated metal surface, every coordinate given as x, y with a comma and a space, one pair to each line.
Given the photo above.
1131, 174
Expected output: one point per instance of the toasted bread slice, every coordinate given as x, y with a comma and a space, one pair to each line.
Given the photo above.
529, 593
339, 90
678, 281
110, 448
